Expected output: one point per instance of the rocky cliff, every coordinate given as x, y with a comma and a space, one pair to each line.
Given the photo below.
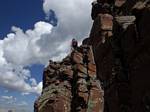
116, 76
71, 85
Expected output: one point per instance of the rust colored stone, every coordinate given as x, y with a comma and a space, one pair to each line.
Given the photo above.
106, 22
77, 57
119, 3
96, 101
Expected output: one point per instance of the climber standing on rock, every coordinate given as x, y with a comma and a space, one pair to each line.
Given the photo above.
74, 44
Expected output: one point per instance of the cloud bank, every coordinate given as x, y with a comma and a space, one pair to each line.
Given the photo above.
18, 50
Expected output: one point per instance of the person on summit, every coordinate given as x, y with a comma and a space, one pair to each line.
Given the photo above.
74, 44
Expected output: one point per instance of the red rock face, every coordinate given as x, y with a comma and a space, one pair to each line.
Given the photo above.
71, 85
106, 22
119, 3
127, 49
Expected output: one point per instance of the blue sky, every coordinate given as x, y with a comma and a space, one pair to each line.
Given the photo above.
24, 14
31, 33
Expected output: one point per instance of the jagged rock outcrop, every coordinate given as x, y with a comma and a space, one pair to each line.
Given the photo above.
71, 85
118, 52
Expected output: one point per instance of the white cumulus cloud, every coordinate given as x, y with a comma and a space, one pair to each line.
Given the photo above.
73, 17
8, 99
19, 50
